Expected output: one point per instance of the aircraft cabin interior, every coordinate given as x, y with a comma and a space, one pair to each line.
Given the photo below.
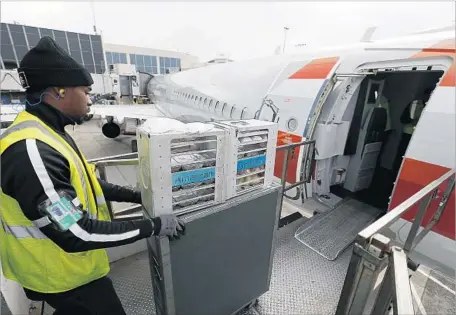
388, 107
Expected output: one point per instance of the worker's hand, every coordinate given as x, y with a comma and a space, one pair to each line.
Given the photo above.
168, 225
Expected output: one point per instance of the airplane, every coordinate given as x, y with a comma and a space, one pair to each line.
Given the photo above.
351, 100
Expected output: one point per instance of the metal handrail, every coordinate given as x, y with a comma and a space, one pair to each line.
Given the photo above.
424, 195
114, 157
288, 148
119, 162
373, 252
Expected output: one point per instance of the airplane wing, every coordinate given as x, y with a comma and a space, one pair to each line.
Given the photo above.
143, 111
9, 112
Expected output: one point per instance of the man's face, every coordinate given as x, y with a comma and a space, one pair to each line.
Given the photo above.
76, 101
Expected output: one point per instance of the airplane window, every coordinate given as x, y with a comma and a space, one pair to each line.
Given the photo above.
210, 104
292, 124
205, 101
243, 112
216, 104
226, 110
223, 108
232, 110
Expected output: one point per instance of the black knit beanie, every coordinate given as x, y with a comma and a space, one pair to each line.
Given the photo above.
48, 65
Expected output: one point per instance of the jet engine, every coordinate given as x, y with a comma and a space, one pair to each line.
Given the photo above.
112, 127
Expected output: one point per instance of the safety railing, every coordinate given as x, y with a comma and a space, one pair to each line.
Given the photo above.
373, 252
134, 212
129, 213
307, 166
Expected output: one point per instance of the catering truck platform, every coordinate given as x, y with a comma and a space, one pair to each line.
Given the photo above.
374, 274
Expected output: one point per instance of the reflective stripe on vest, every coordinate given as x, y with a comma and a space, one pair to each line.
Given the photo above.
34, 124
24, 231
101, 200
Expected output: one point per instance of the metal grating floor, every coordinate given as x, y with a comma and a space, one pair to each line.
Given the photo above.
302, 281
330, 233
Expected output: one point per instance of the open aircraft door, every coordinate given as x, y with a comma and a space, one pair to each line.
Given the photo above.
294, 101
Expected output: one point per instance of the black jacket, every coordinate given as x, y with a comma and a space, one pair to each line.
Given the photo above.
20, 181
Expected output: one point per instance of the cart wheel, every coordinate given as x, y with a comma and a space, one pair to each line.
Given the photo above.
134, 146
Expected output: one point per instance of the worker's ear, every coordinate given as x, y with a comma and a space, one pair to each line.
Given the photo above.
57, 93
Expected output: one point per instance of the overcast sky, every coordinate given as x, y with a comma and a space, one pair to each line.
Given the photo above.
237, 29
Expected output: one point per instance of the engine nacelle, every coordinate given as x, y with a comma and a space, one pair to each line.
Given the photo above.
110, 128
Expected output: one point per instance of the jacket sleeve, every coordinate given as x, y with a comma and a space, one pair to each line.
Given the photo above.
31, 169
113, 192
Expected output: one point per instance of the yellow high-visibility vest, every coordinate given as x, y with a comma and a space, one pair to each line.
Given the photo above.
27, 255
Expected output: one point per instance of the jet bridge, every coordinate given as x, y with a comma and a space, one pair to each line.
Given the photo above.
375, 276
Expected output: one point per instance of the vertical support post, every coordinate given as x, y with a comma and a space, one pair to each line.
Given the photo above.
403, 301
103, 176
385, 295
364, 269
350, 283
424, 205
284, 176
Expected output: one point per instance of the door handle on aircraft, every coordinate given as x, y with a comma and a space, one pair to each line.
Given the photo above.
437, 194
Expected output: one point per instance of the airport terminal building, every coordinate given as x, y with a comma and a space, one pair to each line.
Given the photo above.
88, 49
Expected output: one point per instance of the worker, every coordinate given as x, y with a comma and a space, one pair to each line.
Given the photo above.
55, 221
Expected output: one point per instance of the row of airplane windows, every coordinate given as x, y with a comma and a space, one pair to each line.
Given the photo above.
222, 108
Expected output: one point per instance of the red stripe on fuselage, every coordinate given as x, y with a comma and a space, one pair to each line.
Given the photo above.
414, 176
443, 48
316, 69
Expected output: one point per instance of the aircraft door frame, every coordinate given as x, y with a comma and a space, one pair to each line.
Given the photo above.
295, 103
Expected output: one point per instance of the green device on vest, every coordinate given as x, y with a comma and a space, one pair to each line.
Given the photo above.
61, 212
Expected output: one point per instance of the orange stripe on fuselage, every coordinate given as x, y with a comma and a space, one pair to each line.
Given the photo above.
414, 176
282, 139
421, 173
316, 69
443, 48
